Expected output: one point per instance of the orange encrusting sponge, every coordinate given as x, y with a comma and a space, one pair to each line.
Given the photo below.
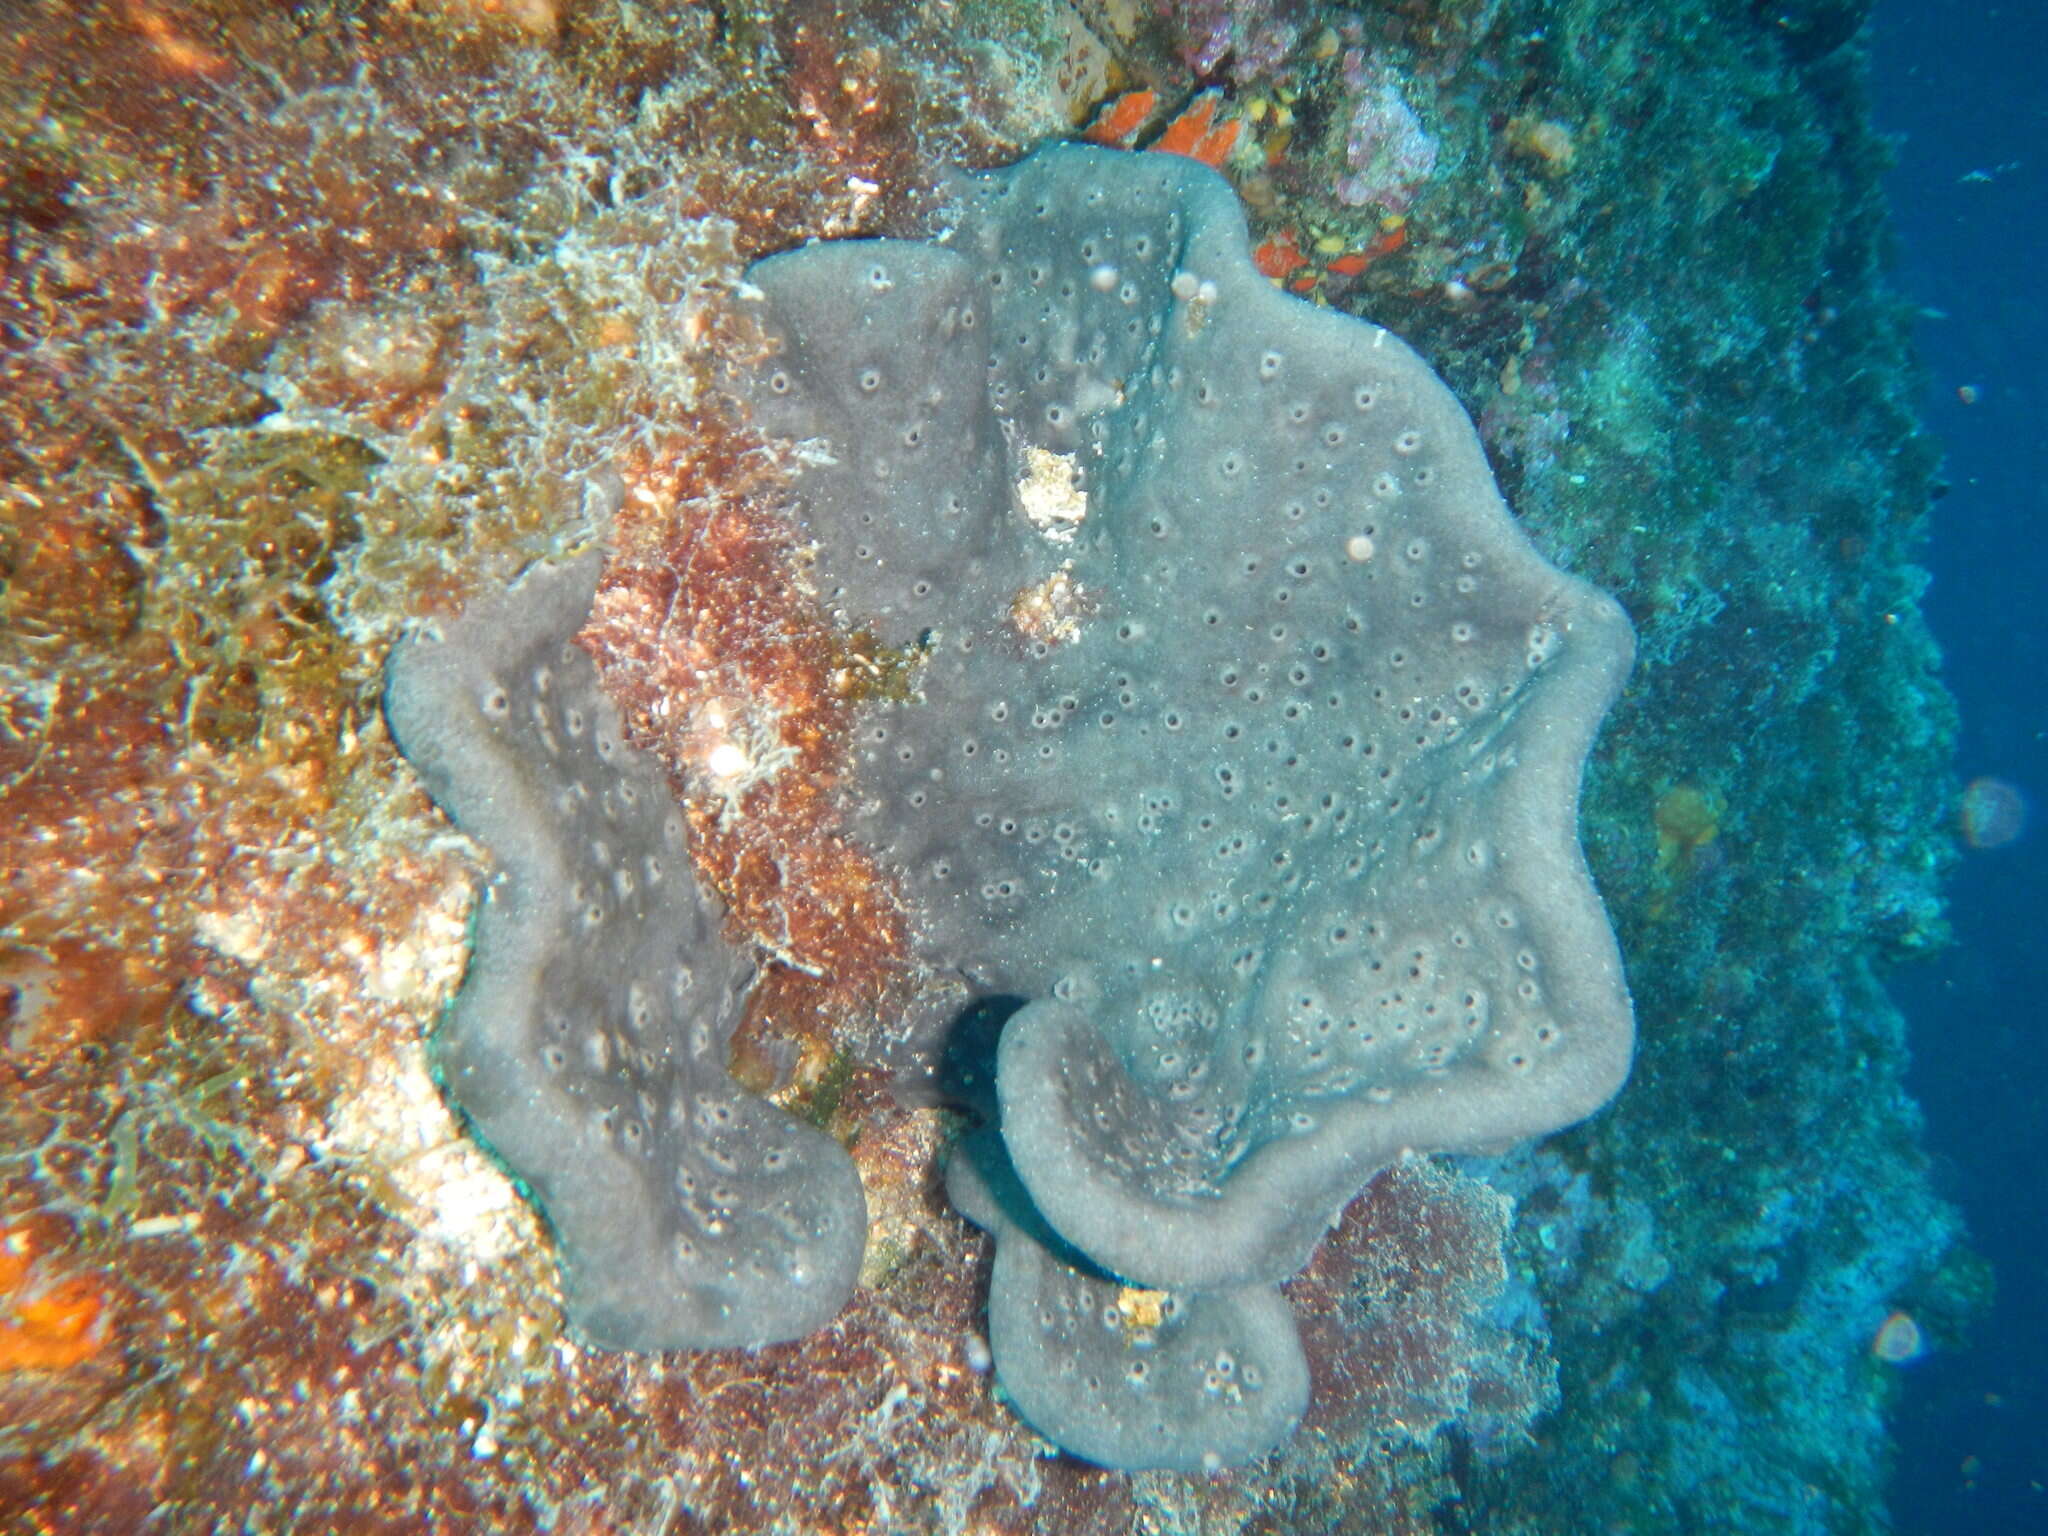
45, 1323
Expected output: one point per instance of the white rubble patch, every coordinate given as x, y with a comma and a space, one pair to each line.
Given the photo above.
1049, 494
1052, 610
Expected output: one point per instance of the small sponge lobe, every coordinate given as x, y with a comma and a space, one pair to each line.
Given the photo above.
588, 1042
1127, 1377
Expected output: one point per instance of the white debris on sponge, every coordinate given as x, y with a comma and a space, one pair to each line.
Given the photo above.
1049, 494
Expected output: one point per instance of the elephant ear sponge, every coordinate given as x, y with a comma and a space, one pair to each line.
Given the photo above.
588, 1043
1249, 743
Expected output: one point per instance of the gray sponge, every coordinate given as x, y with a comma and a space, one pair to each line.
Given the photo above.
588, 1042
1182, 1383
1249, 741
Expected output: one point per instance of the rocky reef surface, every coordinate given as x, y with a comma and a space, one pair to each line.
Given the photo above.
320, 321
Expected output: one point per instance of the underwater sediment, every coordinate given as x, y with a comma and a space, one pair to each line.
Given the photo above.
320, 323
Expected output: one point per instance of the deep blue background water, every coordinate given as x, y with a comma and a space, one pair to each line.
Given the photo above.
1967, 86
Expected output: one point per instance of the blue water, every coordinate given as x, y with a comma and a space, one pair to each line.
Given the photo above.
1968, 88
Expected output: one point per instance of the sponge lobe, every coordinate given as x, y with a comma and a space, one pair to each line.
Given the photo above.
1184, 1383
588, 1042
880, 346
1250, 739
